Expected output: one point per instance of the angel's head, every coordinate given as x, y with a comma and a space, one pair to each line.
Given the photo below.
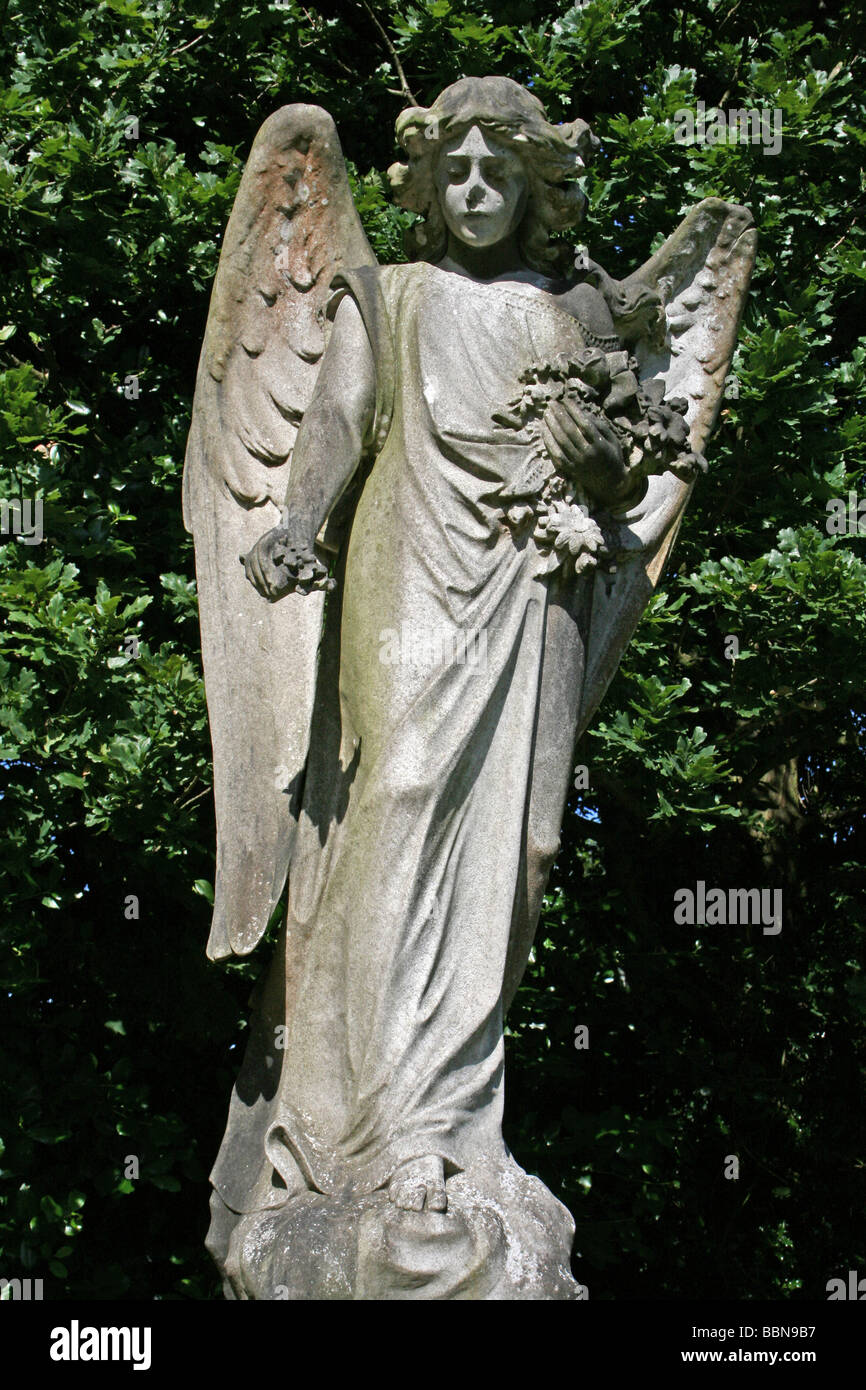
484, 162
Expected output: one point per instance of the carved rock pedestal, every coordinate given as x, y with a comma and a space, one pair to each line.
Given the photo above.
503, 1237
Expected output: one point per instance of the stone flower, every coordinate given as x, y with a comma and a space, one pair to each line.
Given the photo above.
569, 528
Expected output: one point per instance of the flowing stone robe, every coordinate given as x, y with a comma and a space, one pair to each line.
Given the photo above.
434, 789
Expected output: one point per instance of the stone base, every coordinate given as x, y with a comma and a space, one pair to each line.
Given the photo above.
504, 1236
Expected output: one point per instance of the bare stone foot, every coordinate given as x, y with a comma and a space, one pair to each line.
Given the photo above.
419, 1183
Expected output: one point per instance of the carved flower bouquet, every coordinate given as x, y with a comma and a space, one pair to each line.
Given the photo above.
568, 523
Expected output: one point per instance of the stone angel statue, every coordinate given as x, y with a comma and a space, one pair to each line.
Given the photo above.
430, 502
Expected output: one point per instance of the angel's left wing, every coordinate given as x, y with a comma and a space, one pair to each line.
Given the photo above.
293, 227
701, 277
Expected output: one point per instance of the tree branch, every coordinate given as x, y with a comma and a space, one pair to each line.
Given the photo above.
405, 89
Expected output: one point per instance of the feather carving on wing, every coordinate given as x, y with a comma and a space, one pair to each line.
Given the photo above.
679, 313
293, 227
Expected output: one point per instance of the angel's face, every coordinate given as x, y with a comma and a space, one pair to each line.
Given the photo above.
482, 188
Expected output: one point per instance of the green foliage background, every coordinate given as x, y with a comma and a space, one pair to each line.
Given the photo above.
118, 1038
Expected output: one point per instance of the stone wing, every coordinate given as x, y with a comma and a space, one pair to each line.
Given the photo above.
701, 274
293, 227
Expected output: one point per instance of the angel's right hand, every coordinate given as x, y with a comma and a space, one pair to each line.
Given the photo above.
277, 566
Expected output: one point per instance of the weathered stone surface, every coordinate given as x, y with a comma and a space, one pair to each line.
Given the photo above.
491, 461
503, 1236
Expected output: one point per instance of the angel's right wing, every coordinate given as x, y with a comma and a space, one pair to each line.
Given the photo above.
293, 227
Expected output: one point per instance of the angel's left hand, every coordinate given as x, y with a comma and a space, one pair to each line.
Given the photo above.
585, 447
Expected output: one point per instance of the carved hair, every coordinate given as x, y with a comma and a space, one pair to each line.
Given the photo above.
552, 157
